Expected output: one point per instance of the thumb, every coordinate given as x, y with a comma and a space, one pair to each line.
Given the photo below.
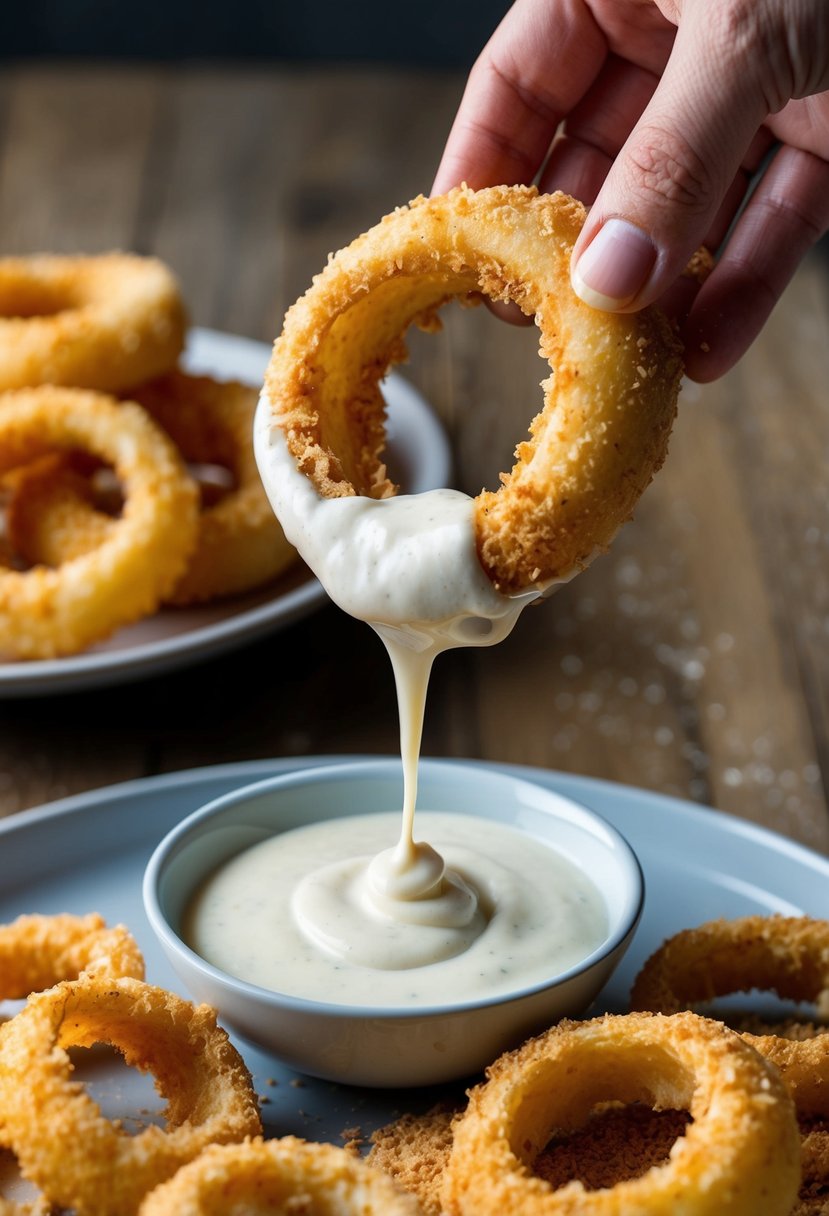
664, 189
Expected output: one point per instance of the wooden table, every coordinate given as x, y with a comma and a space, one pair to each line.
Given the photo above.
693, 659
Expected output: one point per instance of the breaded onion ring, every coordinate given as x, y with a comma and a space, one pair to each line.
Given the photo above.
105, 322
608, 405
52, 516
286, 1175
37, 952
47, 612
788, 955
62, 1141
740, 1155
240, 542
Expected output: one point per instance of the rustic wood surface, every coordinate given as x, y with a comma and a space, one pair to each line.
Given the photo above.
693, 659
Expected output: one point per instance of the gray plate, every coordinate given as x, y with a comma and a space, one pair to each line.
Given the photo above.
88, 853
418, 458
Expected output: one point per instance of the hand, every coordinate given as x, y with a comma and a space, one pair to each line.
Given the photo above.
659, 114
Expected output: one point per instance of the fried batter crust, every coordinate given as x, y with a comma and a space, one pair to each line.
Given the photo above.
739, 1155
82, 1160
609, 401
105, 322
285, 1175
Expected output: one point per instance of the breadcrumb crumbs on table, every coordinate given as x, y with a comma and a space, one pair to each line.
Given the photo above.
615, 1145
353, 1140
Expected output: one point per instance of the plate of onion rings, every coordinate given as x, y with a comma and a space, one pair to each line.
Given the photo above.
698, 865
179, 635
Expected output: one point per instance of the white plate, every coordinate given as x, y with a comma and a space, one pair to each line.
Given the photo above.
88, 853
419, 459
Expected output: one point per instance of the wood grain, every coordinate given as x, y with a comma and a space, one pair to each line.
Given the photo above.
692, 659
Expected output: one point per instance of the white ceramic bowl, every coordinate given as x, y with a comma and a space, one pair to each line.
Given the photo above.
389, 1047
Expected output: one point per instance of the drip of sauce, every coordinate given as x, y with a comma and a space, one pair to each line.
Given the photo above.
408, 566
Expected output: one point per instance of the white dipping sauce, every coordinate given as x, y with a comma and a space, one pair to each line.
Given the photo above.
296, 914
328, 911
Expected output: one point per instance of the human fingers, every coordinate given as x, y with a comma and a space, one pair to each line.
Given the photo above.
596, 128
784, 217
538, 63
665, 189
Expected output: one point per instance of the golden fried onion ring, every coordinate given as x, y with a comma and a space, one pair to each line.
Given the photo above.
105, 322
788, 955
52, 515
283, 1175
785, 954
37, 952
609, 402
48, 612
240, 544
62, 1141
740, 1155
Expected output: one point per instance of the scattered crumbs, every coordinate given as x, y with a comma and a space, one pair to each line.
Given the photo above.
704, 346
353, 1140
263, 1099
297, 1083
271, 1081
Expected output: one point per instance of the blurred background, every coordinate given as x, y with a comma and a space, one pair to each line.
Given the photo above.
433, 33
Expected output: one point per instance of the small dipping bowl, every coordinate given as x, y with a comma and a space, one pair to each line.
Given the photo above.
398, 1046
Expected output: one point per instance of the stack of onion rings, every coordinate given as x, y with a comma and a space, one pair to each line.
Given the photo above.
62, 1141
106, 322
740, 1155
609, 402
46, 612
278, 1176
52, 515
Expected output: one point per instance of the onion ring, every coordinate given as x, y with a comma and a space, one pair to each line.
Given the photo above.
106, 322
37, 952
608, 406
240, 543
52, 516
787, 955
283, 1175
739, 1155
62, 1141
47, 612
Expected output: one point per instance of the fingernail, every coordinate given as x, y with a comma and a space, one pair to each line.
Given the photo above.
615, 266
